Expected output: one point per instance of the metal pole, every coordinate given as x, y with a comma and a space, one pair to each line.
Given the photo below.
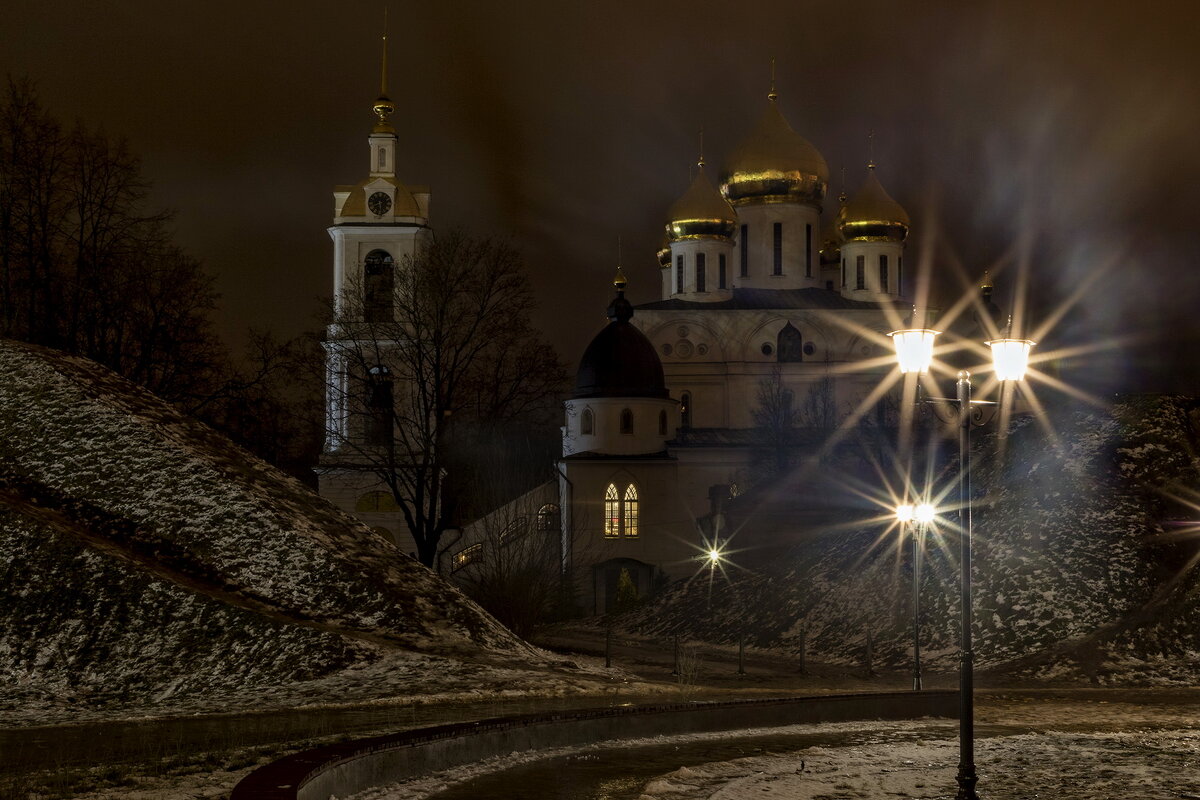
917, 545
966, 688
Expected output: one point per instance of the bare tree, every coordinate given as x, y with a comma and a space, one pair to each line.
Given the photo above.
776, 416
419, 379
84, 267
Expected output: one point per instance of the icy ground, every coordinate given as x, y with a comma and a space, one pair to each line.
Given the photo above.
1091, 750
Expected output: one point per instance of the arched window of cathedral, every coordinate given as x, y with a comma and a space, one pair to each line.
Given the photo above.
585, 422
678, 274
722, 279
701, 284
685, 409
900, 275
883, 273
777, 255
378, 430
548, 518
662, 423
373, 502
788, 345
808, 250
468, 555
860, 272
744, 252
629, 512
612, 512
379, 282
626, 421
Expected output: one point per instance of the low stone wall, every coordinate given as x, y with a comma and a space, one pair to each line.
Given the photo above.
351, 767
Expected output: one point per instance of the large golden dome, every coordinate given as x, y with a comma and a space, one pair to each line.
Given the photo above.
774, 164
701, 213
873, 216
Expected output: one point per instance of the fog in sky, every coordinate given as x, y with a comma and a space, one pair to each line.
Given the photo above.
1058, 136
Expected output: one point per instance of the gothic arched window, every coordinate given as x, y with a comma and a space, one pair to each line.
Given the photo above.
586, 425
378, 429
629, 512
620, 512
626, 421
788, 346
379, 287
612, 512
548, 517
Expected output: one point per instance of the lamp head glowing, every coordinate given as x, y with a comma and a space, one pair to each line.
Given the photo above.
914, 348
714, 555
925, 513
1010, 358
904, 513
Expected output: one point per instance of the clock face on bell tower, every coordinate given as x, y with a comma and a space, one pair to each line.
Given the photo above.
379, 203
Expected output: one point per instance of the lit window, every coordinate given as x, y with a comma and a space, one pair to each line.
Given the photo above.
612, 512
548, 517
629, 511
585, 422
468, 555
514, 531
626, 421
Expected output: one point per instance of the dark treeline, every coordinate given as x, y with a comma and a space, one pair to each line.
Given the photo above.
87, 268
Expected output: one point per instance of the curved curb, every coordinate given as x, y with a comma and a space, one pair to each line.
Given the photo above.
351, 767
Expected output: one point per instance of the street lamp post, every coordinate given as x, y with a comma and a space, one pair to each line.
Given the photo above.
1010, 358
914, 519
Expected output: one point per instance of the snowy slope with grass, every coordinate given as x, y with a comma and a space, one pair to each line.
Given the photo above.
145, 559
1073, 577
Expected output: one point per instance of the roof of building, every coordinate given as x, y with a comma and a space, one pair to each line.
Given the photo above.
620, 361
748, 299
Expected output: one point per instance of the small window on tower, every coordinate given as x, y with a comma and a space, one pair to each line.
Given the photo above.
808, 250
744, 247
860, 266
626, 421
883, 273
679, 274
662, 423
585, 422
721, 280
777, 264
701, 286
685, 409
382, 158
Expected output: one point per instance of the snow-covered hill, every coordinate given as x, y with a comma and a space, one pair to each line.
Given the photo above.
1074, 577
144, 558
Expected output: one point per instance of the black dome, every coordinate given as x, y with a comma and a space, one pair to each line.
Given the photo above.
620, 361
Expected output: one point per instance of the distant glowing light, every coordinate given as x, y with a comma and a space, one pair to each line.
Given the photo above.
714, 555
1010, 357
925, 513
914, 348
904, 513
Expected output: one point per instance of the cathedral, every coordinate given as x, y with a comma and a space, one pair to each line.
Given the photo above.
773, 301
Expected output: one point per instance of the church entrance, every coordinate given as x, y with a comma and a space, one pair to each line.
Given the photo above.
620, 581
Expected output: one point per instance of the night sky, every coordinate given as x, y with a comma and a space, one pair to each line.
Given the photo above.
1015, 132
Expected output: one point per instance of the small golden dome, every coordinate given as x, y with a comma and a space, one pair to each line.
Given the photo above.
872, 216
664, 252
619, 282
831, 243
774, 164
701, 213
383, 108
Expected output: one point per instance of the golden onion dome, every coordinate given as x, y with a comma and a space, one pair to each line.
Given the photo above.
774, 164
872, 216
831, 243
664, 252
701, 213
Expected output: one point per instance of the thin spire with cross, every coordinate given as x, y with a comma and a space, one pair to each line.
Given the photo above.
772, 95
871, 150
